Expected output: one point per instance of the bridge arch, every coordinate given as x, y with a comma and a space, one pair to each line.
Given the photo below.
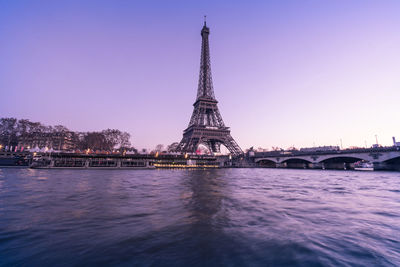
393, 159
261, 159
296, 163
340, 162
296, 159
392, 164
267, 163
343, 158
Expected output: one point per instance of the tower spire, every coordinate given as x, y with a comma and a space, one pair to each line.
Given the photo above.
205, 20
205, 87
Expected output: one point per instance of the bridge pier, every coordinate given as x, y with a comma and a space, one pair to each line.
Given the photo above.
316, 165
281, 165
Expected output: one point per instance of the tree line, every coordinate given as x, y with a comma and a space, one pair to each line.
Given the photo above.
13, 132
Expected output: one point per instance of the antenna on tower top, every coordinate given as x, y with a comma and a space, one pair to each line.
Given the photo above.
205, 18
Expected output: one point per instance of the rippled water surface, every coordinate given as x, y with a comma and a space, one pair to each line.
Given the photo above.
228, 217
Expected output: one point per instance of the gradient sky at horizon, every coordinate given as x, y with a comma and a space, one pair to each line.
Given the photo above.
285, 73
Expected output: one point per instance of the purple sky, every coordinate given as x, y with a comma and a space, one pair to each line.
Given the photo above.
285, 72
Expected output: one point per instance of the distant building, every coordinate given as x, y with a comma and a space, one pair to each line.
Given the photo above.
56, 141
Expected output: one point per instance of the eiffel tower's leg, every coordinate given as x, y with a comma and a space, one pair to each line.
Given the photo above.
185, 145
182, 145
232, 146
216, 146
193, 144
207, 144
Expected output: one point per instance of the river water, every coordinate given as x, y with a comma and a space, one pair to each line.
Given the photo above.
220, 217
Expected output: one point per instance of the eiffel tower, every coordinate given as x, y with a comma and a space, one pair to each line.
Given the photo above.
206, 126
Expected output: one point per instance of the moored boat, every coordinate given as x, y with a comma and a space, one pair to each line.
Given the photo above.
135, 161
81, 161
363, 166
14, 159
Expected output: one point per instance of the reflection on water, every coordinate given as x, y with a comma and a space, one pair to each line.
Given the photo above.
205, 192
234, 217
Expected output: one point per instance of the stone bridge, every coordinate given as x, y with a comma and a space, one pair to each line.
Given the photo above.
383, 158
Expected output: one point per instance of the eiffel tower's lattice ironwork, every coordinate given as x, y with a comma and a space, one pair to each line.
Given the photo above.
206, 125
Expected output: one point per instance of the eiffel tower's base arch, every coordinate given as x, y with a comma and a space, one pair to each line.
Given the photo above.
213, 140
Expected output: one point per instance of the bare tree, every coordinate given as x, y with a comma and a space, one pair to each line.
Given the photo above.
172, 147
13, 131
159, 148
